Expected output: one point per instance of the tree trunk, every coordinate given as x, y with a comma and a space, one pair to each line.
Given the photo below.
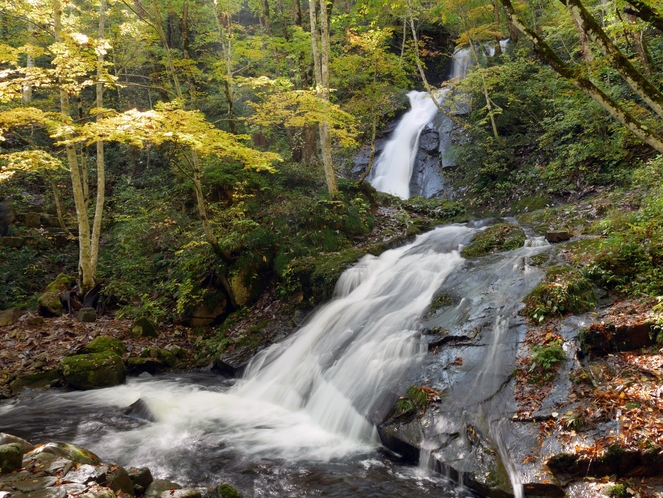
496, 20
84, 259
640, 85
646, 13
585, 47
576, 77
265, 17
101, 166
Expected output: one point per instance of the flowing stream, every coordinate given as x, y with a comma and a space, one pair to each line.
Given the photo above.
302, 419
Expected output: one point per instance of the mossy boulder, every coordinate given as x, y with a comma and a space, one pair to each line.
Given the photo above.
67, 450
9, 317
36, 380
152, 360
106, 343
227, 491
246, 286
11, 457
94, 370
142, 327
496, 238
49, 304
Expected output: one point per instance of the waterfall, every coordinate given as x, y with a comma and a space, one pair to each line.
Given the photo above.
393, 168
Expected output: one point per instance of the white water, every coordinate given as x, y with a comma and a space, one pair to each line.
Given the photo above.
393, 168
309, 398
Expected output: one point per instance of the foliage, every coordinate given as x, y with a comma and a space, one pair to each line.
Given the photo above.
544, 360
500, 237
564, 290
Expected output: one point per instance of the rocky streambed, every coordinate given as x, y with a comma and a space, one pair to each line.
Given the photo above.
58, 470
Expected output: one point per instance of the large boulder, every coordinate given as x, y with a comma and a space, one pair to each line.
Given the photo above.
11, 457
94, 370
67, 450
227, 491
49, 304
9, 317
142, 327
105, 343
151, 360
9, 439
159, 486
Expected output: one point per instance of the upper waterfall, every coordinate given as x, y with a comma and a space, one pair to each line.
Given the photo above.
393, 168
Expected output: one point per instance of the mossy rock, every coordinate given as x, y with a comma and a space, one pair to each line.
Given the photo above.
49, 303
152, 360
106, 343
35, 381
67, 450
163, 356
142, 327
227, 491
246, 286
11, 457
94, 370
496, 238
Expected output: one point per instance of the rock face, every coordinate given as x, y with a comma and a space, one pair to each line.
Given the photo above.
94, 370
49, 303
9, 317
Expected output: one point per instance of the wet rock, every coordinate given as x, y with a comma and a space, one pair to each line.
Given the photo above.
35, 484
51, 492
142, 327
34, 381
118, 480
182, 493
11, 457
73, 488
600, 339
227, 491
151, 360
558, 236
94, 370
105, 343
96, 491
66, 450
49, 304
87, 315
9, 439
59, 466
208, 492
429, 140
86, 474
232, 363
139, 409
9, 317
165, 358
140, 476
158, 486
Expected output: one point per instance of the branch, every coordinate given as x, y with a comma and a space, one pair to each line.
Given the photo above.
646, 13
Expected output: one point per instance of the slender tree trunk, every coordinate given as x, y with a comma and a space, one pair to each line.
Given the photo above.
84, 260
29, 64
225, 37
58, 205
496, 20
265, 17
647, 13
576, 77
101, 166
585, 47
299, 17
489, 102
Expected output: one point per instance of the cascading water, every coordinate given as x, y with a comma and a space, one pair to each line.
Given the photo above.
393, 168
312, 398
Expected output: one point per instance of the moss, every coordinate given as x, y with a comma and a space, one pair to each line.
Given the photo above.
94, 370
440, 301
564, 290
49, 303
227, 491
616, 491
142, 327
105, 343
500, 237
254, 337
164, 357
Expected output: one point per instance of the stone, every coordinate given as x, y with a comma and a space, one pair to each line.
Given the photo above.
35, 321
87, 315
94, 370
246, 286
60, 465
163, 356
9, 439
158, 486
97, 491
142, 327
105, 343
34, 484
118, 480
11, 457
140, 476
50, 492
34, 381
49, 303
558, 236
182, 493
67, 450
86, 474
208, 492
73, 488
204, 315
140, 410
9, 317
227, 491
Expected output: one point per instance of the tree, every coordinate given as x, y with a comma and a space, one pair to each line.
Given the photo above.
578, 75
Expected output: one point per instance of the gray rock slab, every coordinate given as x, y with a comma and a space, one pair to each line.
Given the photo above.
34, 484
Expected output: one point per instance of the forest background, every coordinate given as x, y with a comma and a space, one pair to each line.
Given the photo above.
192, 154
